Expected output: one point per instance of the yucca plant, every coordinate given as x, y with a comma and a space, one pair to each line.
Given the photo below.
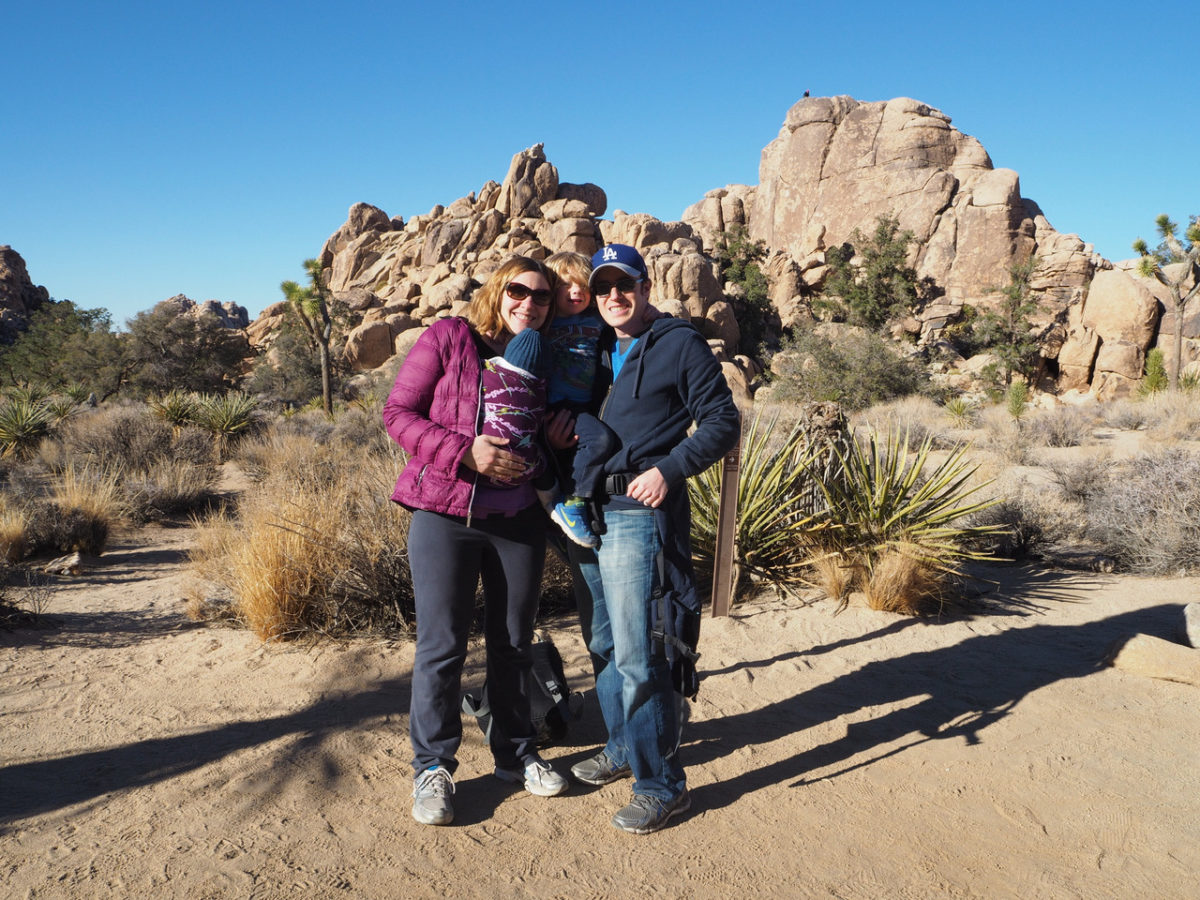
894, 520
77, 391
60, 408
176, 408
31, 393
960, 412
774, 506
23, 423
226, 417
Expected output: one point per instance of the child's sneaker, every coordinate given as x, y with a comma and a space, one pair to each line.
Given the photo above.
571, 517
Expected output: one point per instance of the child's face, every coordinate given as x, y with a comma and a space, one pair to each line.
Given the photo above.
571, 298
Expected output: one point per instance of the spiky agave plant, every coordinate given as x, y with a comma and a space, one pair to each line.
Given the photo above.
176, 408
226, 417
23, 423
774, 506
897, 523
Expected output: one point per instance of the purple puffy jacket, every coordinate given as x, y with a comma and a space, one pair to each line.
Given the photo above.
432, 413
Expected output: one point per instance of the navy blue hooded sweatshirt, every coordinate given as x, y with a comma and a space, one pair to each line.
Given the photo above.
670, 380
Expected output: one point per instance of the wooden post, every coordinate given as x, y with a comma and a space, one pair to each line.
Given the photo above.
722, 584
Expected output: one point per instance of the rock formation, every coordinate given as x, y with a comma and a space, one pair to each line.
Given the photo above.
19, 296
229, 314
837, 165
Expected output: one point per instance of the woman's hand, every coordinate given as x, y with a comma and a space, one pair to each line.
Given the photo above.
486, 457
560, 430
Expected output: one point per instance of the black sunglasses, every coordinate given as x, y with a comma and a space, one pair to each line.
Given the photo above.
624, 285
519, 292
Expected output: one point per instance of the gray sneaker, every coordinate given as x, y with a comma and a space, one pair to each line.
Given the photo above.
599, 769
431, 796
538, 778
645, 814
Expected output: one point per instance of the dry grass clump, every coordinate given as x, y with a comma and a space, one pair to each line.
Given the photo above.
78, 513
1004, 436
1144, 514
316, 547
1127, 414
1063, 426
170, 487
916, 416
1173, 416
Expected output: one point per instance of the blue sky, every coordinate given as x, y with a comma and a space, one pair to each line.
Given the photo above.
154, 149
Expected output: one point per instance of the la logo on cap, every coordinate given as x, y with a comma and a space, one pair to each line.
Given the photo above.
610, 253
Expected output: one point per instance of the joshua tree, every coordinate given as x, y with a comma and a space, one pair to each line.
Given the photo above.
1176, 265
312, 307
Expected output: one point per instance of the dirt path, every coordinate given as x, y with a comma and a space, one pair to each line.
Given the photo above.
859, 755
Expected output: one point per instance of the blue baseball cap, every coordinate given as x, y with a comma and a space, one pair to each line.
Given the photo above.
620, 256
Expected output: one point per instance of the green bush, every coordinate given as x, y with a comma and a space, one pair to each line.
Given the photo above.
870, 280
1155, 379
857, 370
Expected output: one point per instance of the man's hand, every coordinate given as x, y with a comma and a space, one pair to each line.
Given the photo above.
649, 488
486, 457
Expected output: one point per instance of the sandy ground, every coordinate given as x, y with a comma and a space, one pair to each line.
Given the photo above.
856, 755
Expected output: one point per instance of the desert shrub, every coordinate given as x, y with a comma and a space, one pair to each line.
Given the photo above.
774, 506
363, 428
739, 259
14, 532
1079, 479
895, 524
176, 408
1004, 437
169, 487
161, 469
1064, 426
77, 516
1125, 414
1173, 416
1156, 378
1144, 514
857, 370
870, 279
1016, 400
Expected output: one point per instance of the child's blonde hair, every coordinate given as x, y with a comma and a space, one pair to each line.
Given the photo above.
570, 267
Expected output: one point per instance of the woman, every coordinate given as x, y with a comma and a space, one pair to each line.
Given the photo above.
466, 527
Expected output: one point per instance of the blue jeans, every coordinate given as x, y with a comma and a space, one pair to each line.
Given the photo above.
633, 683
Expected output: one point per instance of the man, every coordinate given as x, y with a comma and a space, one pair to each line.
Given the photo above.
644, 619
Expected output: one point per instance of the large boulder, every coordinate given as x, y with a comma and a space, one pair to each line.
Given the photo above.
841, 164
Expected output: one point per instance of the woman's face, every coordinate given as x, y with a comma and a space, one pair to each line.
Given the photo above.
518, 315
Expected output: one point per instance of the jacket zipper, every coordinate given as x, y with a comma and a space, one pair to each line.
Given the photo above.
475, 430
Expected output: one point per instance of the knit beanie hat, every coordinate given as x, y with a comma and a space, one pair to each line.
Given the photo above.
525, 351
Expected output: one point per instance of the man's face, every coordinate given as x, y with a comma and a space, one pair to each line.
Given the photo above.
624, 310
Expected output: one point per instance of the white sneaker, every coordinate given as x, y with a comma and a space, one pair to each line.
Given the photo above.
539, 778
431, 796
